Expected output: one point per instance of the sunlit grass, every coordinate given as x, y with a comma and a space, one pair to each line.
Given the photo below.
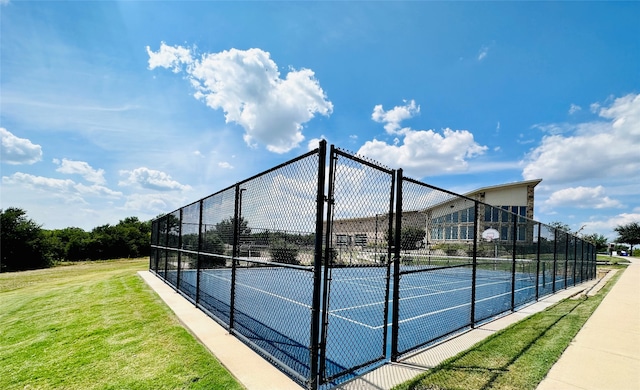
97, 326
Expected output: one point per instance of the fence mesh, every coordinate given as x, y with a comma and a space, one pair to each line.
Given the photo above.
329, 275
357, 278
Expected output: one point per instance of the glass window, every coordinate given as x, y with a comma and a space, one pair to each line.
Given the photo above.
464, 215
504, 233
454, 217
505, 214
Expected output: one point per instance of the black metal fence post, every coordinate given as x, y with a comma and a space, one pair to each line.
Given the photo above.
177, 286
538, 264
474, 268
317, 270
388, 257
328, 258
566, 257
199, 260
396, 269
513, 264
234, 252
555, 259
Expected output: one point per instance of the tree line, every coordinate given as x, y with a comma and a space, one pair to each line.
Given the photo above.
26, 245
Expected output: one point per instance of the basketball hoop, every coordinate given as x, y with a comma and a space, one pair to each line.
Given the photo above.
490, 235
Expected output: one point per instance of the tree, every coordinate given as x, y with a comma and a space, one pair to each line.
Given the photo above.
561, 226
225, 229
628, 234
411, 237
598, 240
24, 245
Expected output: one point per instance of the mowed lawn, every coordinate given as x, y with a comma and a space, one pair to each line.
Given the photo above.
97, 325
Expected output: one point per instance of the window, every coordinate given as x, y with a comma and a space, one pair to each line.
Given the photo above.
361, 239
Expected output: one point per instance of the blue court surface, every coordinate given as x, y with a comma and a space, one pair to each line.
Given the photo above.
273, 309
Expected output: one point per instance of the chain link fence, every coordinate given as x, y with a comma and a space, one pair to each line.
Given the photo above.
330, 264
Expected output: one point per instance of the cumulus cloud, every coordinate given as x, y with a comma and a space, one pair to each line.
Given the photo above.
225, 165
247, 86
426, 152
582, 197
15, 150
598, 149
151, 179
80, 168
420, 152
395, 116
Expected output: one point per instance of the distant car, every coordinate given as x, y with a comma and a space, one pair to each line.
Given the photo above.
623, 253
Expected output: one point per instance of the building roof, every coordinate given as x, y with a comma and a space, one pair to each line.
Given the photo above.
533, 183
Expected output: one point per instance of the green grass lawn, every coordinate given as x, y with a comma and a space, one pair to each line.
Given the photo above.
97, 325
517, 357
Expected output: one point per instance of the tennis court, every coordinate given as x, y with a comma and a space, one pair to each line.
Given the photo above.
330, 274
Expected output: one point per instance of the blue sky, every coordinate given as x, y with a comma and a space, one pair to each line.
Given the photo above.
117, 109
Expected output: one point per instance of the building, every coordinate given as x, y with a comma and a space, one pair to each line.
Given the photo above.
504, 210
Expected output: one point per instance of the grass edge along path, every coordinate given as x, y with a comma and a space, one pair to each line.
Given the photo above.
517, 357
97, 325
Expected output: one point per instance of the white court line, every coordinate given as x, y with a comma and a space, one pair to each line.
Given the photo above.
266, 292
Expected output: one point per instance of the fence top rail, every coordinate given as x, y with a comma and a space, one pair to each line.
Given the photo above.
363, 160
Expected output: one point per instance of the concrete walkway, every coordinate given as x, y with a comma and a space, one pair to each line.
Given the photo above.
609, 343
605, 354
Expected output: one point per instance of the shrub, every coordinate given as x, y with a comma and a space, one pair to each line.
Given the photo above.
282, 252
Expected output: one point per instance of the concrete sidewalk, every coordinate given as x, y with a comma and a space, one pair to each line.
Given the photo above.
605, 354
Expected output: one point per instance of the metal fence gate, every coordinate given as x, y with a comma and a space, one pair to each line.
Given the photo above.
357, 265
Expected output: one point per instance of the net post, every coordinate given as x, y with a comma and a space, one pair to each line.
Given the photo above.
317, 270
396, 269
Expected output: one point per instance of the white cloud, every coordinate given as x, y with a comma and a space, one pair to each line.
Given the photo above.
65, 188
582, 197
247, 86
420, 152
484, 51
393, 117
80, 168
606, 226
574, 108
15, 150
315, 142
149, 203
172, 57
225, 165
597, 149
151, 179
426, 152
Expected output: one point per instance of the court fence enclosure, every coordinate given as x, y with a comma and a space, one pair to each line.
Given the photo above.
330, 264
